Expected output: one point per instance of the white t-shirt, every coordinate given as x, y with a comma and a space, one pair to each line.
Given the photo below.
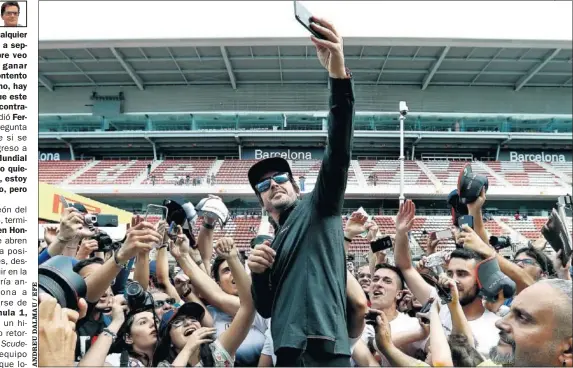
115, 361
401, 323
249, 352
486, 335
268, 348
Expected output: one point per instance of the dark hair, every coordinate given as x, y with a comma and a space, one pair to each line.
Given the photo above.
392, 268
538, 256
10, 3
166, 352
217, 263
86, 262
463, 354
125, 349
466, 254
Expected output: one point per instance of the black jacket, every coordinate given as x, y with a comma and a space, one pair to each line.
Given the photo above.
305, 290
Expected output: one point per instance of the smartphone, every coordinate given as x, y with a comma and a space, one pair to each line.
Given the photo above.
371, 318
304, 17
425, 309
443, 234
155, 210
466, 220
381, 244
172, 231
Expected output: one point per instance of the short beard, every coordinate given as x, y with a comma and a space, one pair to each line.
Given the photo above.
283, 205
469, 299
507, 359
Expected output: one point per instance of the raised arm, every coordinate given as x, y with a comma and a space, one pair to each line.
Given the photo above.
414, 280
233, 337
331, 182
202, 283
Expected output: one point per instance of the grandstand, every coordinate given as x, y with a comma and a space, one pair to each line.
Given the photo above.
204, 109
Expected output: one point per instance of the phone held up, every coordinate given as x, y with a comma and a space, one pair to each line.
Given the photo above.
304, 17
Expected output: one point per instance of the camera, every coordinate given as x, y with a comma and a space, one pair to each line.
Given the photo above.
470, 185
500, 242
57, 278
260, 239
105, 243
403, 108
184, 216
138, 300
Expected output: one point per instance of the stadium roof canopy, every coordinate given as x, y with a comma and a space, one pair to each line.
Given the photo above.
236, 62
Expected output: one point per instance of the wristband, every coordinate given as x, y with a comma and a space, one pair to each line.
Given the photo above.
348, 240
111, 334
208, 226
118, 263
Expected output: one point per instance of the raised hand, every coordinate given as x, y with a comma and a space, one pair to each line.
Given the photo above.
72, 226
140, 238
87, 247
355, 225
261, 258
50, 234
225, 248
405, 218
471, 240
330, 52
372, 228
181, 245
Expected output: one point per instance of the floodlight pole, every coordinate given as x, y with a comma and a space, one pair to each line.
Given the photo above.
403, 113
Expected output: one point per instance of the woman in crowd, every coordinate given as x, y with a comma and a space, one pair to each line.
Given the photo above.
184, 342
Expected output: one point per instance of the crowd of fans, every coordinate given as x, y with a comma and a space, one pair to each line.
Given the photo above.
212, 307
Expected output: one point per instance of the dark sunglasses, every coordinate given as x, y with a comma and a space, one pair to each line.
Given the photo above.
161, 303
265, 184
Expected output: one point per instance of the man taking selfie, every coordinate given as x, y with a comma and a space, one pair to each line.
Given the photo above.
300, 279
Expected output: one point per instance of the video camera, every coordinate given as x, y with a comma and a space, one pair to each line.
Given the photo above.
105, 243
500, 242
138, 300
57, 278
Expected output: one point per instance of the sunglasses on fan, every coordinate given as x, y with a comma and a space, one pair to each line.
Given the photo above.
265, 184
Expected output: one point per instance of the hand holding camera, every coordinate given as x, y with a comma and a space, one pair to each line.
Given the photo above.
72, 226
140, 238
118, 311
449, 284
225, 248
470, 239
383, 332
181, 245
87, 247
329, 50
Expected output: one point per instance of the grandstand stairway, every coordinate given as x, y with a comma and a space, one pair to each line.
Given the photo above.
498, 178
430, 175
139, 180
215, 168
78, 173
358, 172
563, 178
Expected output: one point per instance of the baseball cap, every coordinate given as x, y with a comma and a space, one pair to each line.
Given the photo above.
262, 167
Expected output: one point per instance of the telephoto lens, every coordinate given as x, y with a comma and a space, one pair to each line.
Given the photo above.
57, 278
137, 299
